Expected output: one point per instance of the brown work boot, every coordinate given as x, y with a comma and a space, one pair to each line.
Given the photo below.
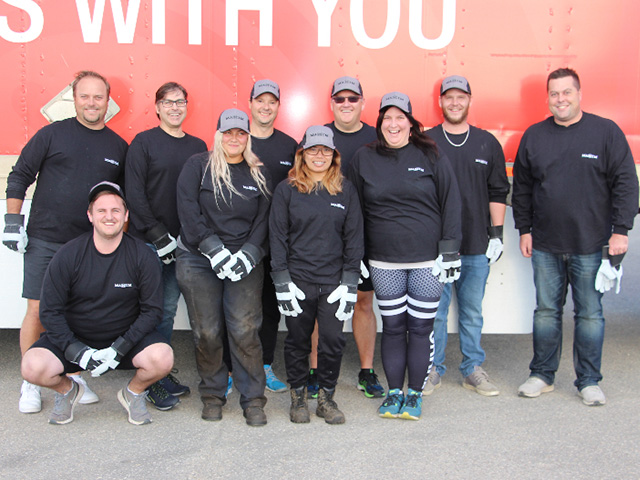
299, 411
327, 408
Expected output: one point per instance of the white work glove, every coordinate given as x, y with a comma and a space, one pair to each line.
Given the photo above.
239, 266
287, 294
364, 272
109, 358
218, 255
495, 247
82, 355
609, 274
164, 242
347, 294
447, 265
14, 236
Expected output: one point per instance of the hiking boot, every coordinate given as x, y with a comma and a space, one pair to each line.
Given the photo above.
412, 406
391, 406
158, 396
135, 405
592, 396
479, 381
212, 411
533, 387
173, 386
299, 411
312, 384
30, 401
273, 383
433, 382
369, 384
255, 416
89, 395
65, 404
327, 408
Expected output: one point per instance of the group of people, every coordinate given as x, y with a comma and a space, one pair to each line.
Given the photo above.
262, 226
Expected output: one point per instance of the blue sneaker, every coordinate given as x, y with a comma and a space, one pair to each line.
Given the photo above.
391, 406
369, 384
312, 384
229, 386
412, 406
160, 398
273, 383
173, 386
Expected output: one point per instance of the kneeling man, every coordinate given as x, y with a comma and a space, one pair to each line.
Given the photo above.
100, 304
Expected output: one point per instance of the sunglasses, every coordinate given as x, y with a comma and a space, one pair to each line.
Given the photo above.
351, 98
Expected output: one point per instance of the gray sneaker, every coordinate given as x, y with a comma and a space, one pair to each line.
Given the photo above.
533, 387
592, 396
479, 381
433, 382
136, 406
64, 404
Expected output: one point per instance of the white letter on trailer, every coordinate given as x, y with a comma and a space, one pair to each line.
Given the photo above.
34, 11
324, 9
91, 28
390, 30
125, 28
158, 23
448, 25
195, 22
265, 7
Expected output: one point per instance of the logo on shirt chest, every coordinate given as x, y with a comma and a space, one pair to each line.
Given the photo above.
250, 187
590, 155
415, 169
112, 162
285, 163
481, 161
338, 205
123, 285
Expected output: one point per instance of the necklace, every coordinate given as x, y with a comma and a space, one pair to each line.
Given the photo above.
449, 140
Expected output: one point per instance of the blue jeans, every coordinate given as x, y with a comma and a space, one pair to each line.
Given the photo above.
552, 275
470, 292
171, 292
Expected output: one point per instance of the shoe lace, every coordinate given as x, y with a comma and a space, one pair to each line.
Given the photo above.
393, 399
370, 378
412, 400
158, 391
173, 379
269, 373
479, 376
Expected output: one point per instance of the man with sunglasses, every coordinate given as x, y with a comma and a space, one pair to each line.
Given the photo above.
154, 162
350, 133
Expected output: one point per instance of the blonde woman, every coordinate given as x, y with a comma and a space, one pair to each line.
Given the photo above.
223, 204
316, 247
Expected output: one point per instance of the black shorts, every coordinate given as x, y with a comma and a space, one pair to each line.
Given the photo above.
125, 364
366, 285
36, 260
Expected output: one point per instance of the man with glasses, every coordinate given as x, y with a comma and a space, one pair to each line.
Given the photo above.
154, 162
276, 150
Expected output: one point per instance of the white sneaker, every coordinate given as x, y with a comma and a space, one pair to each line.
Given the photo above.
89, 395
592, 396
533, 387
30, 401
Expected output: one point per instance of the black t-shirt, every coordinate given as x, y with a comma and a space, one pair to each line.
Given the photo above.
349, 143
277, 152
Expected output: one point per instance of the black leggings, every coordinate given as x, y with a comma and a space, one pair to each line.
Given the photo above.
408, 301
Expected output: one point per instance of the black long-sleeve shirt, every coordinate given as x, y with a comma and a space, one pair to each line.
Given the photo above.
348, 143
96, 298
482, 178
574, 186
236, 221
316, 236
277, 152
409, 203
154, 162
68, 160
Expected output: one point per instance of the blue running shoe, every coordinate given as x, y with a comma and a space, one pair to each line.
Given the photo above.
391, 406
173, 386
273, 383
412, 407
229, 386
312, 384
160, 398
369, 384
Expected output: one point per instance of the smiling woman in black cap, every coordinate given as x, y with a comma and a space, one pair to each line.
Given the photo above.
315, 231
411, 208
223, 205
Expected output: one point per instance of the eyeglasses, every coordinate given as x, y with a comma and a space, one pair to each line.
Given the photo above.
326, 151
170, 103
351, 98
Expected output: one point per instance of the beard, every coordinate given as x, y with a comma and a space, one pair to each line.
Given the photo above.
461, 118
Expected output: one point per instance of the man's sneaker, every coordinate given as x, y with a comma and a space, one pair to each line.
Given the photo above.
369, 384
391, 406
312, 384
65, 403
433, 382
158, 396
592, 396
135, 405
533, 387
173, 386
328, 408
229, 386
412, 406
273, 383
30, 401
89, 395
479, 381
255, 416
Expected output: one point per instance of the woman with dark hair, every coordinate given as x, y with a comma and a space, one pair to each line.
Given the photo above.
411, 208
223, 205
315, 230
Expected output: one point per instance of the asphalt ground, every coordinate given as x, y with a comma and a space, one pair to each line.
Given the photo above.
461, 434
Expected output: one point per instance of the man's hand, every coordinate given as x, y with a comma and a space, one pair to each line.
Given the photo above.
82, 355
609, 274
166, 247
618, 244
495, 247
15, 236
347, 294
110, 357
526, 245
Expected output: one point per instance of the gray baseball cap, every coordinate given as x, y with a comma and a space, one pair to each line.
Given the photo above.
106, 187
455, 81
346, 83
396, 99
265, 86
318, 135
233, 118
